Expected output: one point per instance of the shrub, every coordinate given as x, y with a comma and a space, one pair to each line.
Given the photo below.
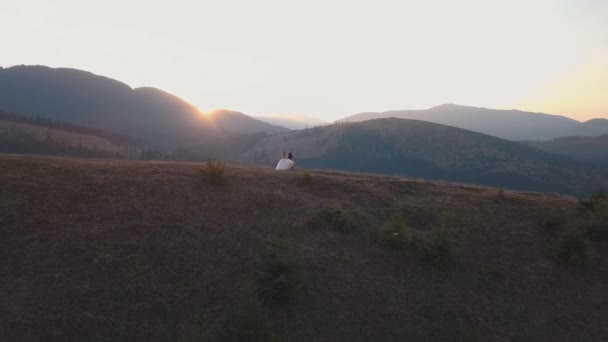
501, 193
397, 234
585, 203
555, 222
440, 250
599, 195
472, 335
306, 178
574, 248
596, 201
335, 219
277, 273
214, 172
252, 323
197, 334
598, 231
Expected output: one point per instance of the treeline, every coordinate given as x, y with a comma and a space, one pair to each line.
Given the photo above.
20, 142
114, 138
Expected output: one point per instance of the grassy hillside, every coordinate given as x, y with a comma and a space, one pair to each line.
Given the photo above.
431, 151
98, 250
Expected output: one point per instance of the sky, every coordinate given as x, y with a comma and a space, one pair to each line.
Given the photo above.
328, 58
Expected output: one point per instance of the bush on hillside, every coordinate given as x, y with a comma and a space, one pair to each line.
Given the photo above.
555, 222
472, 335
598, 230
574, 248
397, 234
252, 323
214, 172
599, 195
585, 203
306, 178
440, 250
277, 273
197, 334
597, 201
334, 219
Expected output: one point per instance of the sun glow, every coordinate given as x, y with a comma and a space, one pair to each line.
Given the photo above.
580, 94
201, 112
206, 113
212, 113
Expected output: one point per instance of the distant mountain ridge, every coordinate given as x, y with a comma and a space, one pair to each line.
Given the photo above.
234, 122
292, 121
152, 115
507, 124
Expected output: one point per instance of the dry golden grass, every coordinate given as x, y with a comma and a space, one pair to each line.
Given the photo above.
214, 172
111, 250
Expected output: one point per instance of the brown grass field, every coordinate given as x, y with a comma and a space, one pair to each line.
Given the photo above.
94, 250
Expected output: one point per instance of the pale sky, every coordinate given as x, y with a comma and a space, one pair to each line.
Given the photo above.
328, 58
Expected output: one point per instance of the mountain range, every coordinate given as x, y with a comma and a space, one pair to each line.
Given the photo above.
506, 124
149, 114
82, 114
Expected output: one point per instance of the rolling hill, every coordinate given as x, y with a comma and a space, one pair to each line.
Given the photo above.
590, 149
431, 151
506, 124
121, 250
152, 115
593, 127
